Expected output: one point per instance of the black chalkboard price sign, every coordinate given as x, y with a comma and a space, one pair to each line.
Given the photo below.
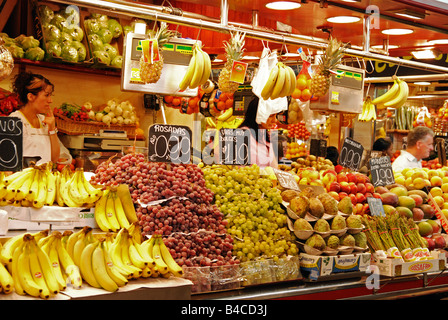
376, 207
286, 179
381, 170
169, 143
11, 142
234, 146
351, 154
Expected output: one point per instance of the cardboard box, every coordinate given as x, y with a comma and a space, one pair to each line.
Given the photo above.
395, 267
317, 266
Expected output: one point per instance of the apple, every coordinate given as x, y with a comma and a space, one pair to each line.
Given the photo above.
381, 189
361, 187
431, 243
425, 229
345, 187
417, 214
335, 195
360, 197
353, 188
436, 181
304, 181
334, 186
353, 198
328, 178
376, 195
352, 177
439, 241
342, 195
314, 175
359, 208
435, 226
366, 209
361, 178
342, 177
329, 171
369, 187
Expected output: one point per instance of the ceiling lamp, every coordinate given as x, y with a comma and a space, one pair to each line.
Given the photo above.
424, 54
283, 5
422, 83
343, 19
411, 14
380, 46
438, 41
397, 32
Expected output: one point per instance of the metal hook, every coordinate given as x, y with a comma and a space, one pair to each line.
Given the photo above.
200, 28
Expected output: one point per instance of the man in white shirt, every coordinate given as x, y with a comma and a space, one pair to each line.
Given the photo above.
420, 145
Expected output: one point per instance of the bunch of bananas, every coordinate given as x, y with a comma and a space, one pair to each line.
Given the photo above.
281, 82
395, 97
368, 112
37, 186
115, 209
198, 70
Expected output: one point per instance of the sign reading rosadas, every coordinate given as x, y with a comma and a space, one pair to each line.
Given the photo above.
169, 143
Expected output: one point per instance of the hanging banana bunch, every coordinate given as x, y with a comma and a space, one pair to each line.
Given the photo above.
281, 82
395, 97
368, 110
198, 71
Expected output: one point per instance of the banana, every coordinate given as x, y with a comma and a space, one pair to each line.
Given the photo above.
126, 200
56, 265
119, 211
59, 181
2, 185
115, 256
388, 95
85, 196
37, 272
287, 83
86, 266
292, 77
95, 193
269, 86
185, 82
100, 213
47, 269
279, 83
210, 122
134, 256
112, 270
72, 187
144, 254
226, 115
147, 272
100, 271
198, 69
207, 67
157, 256
6, 280
136, 271
8, 248
24, 271
68, 264
17, 177
172, 265
14, 185
111, 214
13, 269
400, 98
51, 188
65, 236
41, 194
34, 188
24, 189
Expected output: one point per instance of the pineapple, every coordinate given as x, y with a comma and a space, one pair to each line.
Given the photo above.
320, 81
234, 52
151, 72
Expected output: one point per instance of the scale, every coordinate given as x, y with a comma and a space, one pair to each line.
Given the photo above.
105, 140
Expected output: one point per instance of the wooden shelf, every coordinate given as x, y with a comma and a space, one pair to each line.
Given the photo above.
68, 67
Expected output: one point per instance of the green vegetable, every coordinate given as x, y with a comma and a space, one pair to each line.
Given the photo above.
16, 51
111, 50
105, 35
75, 32
115, 27
65, 37
51, 32
69, 53
59, 21
102, 57
117, 62
53, 48
29, 42
46, 14
36, 54
92, 26
82, 52
95, 42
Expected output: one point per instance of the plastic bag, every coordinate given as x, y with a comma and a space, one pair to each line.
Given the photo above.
303, 81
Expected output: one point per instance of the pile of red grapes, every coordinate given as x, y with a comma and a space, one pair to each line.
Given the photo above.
172, 200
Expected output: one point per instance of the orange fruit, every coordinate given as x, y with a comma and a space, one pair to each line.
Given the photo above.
306, 95
223, 96
168, 99
302, 76
176, 101
193, 102
301, 83
229, 103
221, 105
297, 93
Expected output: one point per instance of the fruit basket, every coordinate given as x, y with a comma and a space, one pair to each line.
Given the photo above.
70, 127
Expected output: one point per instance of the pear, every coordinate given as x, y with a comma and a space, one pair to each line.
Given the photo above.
345, 205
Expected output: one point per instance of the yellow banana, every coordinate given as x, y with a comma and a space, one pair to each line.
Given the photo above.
99, 269
47, 269
24, 189
17, 177
65, 187
226, 115
279, 83
59, 181
86, 266
6, 280
68, 265
172, 265
8, 248
100, 213
286, 84
37, 273
207, 68
13, 268
2, 185
71, 241
388, 95
72, 188
111, 214
24, 272
34, 188
119, 211
269, 86
115, 255
134, 256
95, 193
157, 256
292, 77
144, 254
85, 196
51, 188
125, 255
112, 270
198, 69
56, 264
400, 98
185, 82
78, 248
126, 200
147, 272
210, 122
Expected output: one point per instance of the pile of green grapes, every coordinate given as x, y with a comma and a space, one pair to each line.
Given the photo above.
251, 205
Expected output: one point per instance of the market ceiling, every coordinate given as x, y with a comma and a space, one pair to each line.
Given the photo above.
426, 18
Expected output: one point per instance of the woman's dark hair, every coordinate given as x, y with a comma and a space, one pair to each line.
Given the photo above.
250, 119
28, 82
332, 155
381, 144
